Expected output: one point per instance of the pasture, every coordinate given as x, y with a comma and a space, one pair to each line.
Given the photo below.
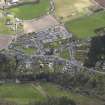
22, 94
30, 11
85, 27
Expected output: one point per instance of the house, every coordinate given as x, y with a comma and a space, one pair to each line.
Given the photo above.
14, 1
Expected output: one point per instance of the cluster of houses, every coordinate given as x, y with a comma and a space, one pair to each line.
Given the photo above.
8, 3
38, 39
36, 42
41, 58
4, 3
52, 34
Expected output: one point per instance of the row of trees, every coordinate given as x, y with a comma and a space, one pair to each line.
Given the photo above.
7, 66
55, 101
96, 52
48, 101
81, 79
81, 82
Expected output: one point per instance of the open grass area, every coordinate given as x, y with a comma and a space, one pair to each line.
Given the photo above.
24, 93
29, 51
55, 44
84, 27
69, 9
4, 30
30, 11
65, 54
21, 94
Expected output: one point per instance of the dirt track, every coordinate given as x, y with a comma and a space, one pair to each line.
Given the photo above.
4, 41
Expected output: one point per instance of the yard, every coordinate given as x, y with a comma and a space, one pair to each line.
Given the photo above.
69, 9
30, 11
84, 27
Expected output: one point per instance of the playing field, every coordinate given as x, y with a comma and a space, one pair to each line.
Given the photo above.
30, 11
68, 9
84, 27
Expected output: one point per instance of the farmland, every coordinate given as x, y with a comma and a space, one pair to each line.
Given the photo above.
70, 9
84, 27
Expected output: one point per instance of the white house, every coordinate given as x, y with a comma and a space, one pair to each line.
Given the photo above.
14, 1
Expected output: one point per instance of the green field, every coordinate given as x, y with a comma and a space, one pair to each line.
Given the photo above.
4, 30
84, 27
65, 54
24, 93
30, 11
21, 94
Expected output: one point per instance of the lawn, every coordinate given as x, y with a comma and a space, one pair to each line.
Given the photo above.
69, 9
30, 11
24, 93
84, 27
65, 54
54, 44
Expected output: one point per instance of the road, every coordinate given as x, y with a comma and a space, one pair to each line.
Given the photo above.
5, 40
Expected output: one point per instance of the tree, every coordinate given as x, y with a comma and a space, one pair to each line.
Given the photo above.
56, 101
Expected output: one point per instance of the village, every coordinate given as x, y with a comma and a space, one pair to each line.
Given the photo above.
44, 38
52, 52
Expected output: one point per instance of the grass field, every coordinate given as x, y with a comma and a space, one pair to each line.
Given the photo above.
30, 11
65, 54
4, 29
24, 93
84, 27
68, 9
21, 94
